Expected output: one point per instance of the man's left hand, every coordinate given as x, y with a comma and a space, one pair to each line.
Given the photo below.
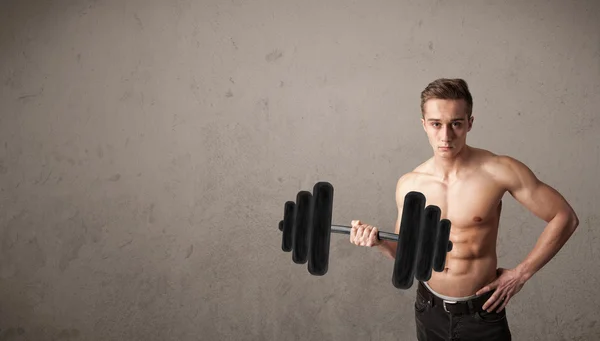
507, 284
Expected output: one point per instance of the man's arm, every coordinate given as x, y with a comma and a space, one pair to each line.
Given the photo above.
546, 203
387, 247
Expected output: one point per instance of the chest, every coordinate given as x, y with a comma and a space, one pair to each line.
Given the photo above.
468, 202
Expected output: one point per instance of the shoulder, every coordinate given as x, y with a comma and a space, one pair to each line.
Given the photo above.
411, 180
508, 171
493, 162
406, 180
414, 176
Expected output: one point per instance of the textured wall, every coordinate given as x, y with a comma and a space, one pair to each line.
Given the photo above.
147, 149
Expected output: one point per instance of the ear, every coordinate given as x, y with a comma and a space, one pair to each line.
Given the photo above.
423, 123
471, 123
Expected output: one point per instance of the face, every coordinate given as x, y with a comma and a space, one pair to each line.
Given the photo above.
446, 125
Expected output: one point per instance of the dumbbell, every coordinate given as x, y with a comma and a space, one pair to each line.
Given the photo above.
422, 243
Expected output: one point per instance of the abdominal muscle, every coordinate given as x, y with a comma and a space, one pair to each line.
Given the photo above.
470, 265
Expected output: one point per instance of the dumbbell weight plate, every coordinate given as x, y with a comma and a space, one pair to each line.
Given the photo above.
302, 220
406, 250
320, 231
427, 241
288, 225
442, 245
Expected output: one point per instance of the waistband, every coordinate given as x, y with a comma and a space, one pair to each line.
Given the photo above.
449, 298
458, 305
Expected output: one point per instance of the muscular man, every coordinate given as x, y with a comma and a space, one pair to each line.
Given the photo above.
467, 300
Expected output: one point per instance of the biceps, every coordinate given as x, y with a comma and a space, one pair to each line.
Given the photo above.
398, 220
542, 200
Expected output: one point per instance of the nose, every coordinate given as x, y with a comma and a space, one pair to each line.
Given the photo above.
447, 134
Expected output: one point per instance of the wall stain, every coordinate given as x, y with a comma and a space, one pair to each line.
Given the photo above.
189, 251
70, 251
10, 333
138, 21
67, 334
27, 97
127, 243
149, 212
20, 250
75, 232
273, 56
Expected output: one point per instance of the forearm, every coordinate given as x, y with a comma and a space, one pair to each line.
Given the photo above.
552, 239
388, 248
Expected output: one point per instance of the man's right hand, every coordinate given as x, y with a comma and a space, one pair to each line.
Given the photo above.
364, 235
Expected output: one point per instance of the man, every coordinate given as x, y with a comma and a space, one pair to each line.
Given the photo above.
468, 299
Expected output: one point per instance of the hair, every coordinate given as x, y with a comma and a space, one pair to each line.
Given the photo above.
447, 88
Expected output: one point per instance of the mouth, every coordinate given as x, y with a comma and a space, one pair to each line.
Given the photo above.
445, 148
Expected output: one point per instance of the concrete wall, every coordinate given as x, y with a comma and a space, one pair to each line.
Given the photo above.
147, 149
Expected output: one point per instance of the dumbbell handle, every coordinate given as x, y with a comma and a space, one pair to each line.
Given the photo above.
341, 229
380, 234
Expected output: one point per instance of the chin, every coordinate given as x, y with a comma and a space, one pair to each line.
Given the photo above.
447, 153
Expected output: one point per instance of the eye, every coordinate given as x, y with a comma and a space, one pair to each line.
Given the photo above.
457, 124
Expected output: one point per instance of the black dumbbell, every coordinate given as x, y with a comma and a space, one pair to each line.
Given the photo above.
422, 243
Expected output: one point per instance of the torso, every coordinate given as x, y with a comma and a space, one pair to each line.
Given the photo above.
473, 203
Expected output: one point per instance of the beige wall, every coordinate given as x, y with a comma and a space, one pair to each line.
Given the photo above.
147, 149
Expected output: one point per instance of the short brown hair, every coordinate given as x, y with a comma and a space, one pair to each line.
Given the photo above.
447, 88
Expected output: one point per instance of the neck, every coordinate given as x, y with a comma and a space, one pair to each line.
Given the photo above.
448, 168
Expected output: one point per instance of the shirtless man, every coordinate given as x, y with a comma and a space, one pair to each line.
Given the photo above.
467, 300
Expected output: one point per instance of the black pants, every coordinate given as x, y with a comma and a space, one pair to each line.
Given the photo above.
435, 323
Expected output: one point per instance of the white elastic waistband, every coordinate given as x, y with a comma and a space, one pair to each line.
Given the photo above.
449, 298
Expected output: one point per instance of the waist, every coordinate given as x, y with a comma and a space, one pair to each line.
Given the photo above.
454, 305
462, 278
449, 298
